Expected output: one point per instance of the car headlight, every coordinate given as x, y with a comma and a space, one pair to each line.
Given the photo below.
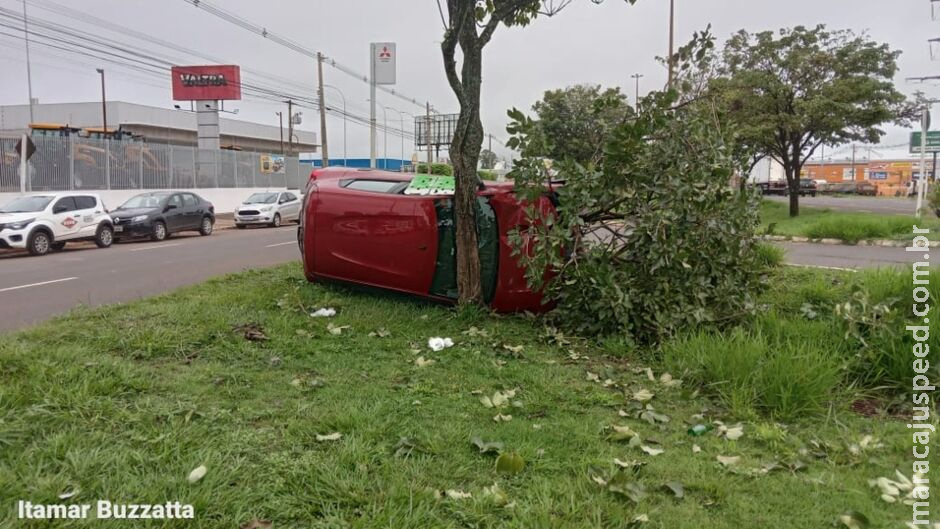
267, 208
139, 218
20, 224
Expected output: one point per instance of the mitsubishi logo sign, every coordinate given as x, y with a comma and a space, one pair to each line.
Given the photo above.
383, 62
385, 53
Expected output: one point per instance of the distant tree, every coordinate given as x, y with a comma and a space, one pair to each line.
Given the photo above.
469, 25
573, 122
487, 159
791, 91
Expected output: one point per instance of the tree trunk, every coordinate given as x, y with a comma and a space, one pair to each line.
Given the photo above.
793, 185
465, 153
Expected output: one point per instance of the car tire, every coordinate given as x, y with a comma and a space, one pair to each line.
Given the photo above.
104, 237
159, 231
39, 243
58, 246
276, 221
205, 227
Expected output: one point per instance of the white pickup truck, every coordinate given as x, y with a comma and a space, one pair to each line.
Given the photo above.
47, 221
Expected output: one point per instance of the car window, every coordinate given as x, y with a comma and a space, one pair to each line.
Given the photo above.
85, 202
374, 186
64, 204
189, 200
290, 197
175, 200
26, 204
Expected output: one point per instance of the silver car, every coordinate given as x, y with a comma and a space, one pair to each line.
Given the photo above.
269, 208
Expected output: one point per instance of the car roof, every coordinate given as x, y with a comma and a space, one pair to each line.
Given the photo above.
59, 194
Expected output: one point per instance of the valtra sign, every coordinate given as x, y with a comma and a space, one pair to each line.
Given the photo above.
207, 83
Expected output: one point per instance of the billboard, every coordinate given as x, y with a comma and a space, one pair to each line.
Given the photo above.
443, 127
383, 62
207, 83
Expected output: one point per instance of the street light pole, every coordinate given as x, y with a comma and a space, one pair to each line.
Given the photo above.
29, 73
672, 25
104, 105
340, 92
280, 120
636, 77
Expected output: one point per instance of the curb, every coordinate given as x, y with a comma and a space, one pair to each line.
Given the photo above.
869, 242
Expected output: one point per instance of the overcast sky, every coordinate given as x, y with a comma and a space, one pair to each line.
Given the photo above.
586, 43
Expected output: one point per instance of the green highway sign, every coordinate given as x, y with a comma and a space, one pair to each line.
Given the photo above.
933, 141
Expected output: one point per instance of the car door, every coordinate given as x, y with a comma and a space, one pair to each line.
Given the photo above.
86, 211
190, 211
66, 223
290, 207
174, 214
375, 238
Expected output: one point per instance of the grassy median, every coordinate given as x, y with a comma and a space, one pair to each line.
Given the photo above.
352, 421
824, 223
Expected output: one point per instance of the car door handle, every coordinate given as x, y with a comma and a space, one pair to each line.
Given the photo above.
423, 247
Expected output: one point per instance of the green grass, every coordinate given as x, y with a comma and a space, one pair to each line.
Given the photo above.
122, 402
819, 223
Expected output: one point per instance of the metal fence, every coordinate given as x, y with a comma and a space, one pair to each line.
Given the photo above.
73, 163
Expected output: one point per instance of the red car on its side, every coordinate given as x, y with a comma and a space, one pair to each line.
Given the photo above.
358, 226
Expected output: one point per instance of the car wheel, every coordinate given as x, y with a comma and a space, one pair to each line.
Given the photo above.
58, 246
206, 227
276, 221
159, 231
104, 237
39, 243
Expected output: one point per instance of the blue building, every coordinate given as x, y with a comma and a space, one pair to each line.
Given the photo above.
388, 164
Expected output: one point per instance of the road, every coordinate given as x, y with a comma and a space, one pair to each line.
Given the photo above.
882, 205
843, 256
33, 289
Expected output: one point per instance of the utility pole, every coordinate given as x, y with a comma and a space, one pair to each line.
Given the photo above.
922, 181
323, 142
636, 77
672, 19
372, 120
290, 127
343, 96
853, 162
427, 137
104, 106
29, 73
280, 120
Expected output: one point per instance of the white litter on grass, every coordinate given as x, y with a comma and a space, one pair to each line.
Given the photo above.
438, 344
325, 312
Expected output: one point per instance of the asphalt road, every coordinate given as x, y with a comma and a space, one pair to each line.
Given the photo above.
843, 256
882, 205
33, 289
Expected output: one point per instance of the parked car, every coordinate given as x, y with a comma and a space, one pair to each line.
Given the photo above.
808, 187
361, 227
43, 222
773, 187
269, 209
161, 213
866, 188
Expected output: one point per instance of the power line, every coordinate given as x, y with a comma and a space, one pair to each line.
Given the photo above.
287, 43
128, 56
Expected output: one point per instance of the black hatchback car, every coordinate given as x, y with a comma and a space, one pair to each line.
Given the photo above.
161, 213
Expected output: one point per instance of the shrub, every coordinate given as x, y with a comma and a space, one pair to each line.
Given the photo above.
649, 240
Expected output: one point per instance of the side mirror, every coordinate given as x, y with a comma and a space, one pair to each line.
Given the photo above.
169, 207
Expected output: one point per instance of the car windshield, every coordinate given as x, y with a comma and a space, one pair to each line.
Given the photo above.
149, 200
262, 198
26, 204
